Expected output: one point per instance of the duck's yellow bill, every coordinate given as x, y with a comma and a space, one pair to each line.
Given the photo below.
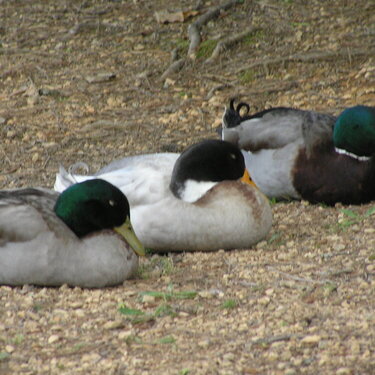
126, 231
247, 179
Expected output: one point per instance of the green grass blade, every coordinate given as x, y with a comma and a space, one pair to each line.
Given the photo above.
349, 213
124, 310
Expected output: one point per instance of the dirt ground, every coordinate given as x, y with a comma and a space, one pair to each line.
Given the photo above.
82, 81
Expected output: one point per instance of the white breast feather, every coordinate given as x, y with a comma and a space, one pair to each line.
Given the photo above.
193, 190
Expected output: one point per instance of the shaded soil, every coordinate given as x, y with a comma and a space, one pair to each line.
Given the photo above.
80, 81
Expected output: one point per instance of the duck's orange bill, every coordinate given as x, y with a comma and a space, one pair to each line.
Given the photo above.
247, 179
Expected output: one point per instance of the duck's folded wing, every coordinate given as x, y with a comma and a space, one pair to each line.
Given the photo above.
144, 179
317, 129
274, 129
278, 127
24, 213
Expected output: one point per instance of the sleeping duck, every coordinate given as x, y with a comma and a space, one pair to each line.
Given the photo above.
82, 237
201, 200
297, 154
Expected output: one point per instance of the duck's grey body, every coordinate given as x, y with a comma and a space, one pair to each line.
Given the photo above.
271, 142
36, 247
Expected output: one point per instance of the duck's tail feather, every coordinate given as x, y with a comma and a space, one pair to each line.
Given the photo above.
65, 178
232, 114
79, 165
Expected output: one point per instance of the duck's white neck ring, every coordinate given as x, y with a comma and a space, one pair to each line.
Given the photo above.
354, 156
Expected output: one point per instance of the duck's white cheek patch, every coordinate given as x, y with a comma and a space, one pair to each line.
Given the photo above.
354, 156
195, 189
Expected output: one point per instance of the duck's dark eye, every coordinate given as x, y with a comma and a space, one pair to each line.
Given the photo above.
356, 126
111, 202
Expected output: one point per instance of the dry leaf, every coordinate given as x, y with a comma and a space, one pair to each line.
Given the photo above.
165, 16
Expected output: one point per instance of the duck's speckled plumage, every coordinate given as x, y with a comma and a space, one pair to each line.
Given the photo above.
290, 153
36, 247
229, 215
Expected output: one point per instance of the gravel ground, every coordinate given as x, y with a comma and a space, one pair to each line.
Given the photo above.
81, 80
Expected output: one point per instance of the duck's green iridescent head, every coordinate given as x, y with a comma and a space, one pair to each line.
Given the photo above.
354, 130
95, 205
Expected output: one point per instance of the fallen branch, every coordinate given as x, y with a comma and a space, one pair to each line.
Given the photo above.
268, 88
173, 68
111, 125
307, 57
226, 43
195, 36
195, 28
211, 93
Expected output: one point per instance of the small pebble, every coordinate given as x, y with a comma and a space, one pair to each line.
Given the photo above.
53, 338
9, 348
311, 340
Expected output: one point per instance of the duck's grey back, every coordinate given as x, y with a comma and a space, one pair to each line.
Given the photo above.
24, 212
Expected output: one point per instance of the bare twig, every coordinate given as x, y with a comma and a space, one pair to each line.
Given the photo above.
10, 171
268, 88
76, 29
307, 57
271, 339
173, 68
297, 278
87, 25
247, 284
43, 71
211, 93
335, 273
224, 44
47, 161
215, 77
23, 51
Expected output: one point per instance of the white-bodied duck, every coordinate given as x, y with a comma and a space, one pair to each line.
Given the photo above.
195, 201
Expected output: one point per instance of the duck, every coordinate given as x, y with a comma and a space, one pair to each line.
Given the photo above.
299, 154
82, 237
354, 132
200, 200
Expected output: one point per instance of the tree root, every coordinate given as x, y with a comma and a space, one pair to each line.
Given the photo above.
195, 36
173, 68
211, 93
195, 28
224, 44
307, 57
